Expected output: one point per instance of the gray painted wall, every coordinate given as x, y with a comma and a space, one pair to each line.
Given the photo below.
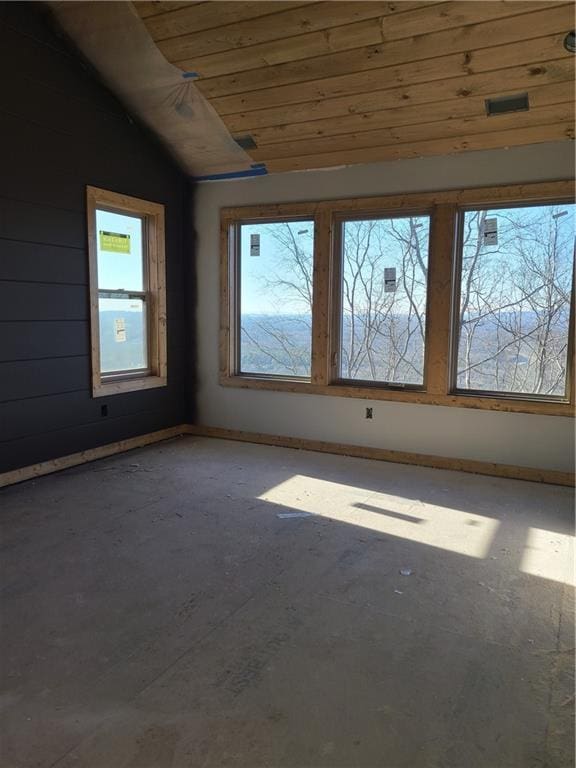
62, 130
511, 438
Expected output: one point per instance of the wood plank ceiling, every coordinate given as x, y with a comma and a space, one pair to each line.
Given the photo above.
321, 84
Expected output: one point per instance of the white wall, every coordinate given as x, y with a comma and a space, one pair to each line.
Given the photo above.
508, 438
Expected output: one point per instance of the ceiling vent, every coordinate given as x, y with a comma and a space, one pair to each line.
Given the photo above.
502, 105
246, 142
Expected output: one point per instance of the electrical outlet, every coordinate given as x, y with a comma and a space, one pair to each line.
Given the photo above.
369, 414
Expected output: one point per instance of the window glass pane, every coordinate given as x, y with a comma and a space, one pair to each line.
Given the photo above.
515, 299
383, 305
123, 345
119, 248
276, 298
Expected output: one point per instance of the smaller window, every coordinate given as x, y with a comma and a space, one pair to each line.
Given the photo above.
128, 318
382, 300
274, 264
512, 319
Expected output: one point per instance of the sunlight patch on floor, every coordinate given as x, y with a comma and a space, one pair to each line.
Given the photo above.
437, 526
549, 555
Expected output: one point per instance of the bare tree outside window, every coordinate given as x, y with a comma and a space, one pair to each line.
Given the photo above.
512, 320
382, 321
515, 290
276, 265
384, 275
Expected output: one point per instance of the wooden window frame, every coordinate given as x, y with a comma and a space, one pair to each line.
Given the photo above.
338, 222
456, 300
234, 265
152, 215
444, 208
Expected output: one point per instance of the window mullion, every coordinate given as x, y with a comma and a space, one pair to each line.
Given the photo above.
321, 298
106, 293
440, 269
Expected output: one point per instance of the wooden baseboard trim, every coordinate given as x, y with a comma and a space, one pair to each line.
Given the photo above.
551, 476
91, 454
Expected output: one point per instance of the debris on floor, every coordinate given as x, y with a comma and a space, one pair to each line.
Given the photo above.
287, 515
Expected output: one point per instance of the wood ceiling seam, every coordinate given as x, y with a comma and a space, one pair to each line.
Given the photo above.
548, 115
560, 92
235, 48
430, 69
369, 38
447, 146
268, 73
266, 151
345, 104
359, 131
294, 3
140, 8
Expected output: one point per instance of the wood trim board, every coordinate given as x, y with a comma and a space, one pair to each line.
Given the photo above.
155, 288
443, 207
509, 471
531, 474
529, 192
90, 454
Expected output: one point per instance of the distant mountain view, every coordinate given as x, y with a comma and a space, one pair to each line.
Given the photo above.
500, 356
277, 345
117, 355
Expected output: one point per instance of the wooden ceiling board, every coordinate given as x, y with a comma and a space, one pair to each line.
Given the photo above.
530, 52
494, 140
147, 8
278, 26
489, 84
417, 132
449, 111
426, 46
322, 84
408, 20
204, 16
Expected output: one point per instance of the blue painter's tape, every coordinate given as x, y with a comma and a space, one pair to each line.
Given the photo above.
258, 169
190, 74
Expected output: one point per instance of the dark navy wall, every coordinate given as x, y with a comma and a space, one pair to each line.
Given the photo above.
60, 130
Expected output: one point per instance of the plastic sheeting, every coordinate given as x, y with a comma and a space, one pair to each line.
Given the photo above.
114, 39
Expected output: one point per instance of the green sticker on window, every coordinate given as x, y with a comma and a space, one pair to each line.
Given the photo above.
115, 242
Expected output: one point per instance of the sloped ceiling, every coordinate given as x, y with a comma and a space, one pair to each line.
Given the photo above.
307, 85
114, 39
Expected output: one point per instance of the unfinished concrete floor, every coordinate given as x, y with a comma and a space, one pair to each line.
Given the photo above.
159, 613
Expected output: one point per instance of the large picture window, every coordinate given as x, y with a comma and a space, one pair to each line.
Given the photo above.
126, 248
459, 298
382, 317
516, 266
275, 263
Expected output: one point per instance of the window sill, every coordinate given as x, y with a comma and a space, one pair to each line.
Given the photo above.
132, 384
420, 397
